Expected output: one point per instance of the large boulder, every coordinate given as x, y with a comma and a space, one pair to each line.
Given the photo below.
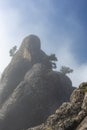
29, 90
70, 115
34, 99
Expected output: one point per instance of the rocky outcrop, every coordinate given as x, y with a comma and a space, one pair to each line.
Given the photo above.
29, 90
70, 115
83, 124
28, 54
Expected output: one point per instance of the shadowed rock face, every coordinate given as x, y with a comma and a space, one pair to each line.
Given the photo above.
23, 60
32, 43
31, 47
70, 115
29, 92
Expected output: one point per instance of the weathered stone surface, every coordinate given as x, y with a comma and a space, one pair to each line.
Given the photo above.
29, 90
70, 115
83, 125
33, 100
28, 54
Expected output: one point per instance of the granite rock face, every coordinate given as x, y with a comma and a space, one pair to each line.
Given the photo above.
70, 115
29, 91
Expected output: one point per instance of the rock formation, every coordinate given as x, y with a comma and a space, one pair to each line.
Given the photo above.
23, 60
29, 90
70, 115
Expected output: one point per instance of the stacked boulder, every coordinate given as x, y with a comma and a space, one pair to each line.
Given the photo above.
29, 91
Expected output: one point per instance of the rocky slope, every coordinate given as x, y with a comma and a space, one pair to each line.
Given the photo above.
29, 90
70, 115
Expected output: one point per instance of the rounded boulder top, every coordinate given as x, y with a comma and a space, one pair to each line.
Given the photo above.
32, 42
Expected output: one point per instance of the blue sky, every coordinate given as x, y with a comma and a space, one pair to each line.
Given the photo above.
60, 24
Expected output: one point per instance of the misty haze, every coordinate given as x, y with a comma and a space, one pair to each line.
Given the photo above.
43, 83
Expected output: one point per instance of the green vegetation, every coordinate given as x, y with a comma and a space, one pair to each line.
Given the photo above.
52, 59
13, 51
66, 70
49, 62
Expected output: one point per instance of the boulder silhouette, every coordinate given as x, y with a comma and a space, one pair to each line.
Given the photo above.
29, 90
28, 54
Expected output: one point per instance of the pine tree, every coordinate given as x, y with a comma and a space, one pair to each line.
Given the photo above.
12, 51
66, 70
